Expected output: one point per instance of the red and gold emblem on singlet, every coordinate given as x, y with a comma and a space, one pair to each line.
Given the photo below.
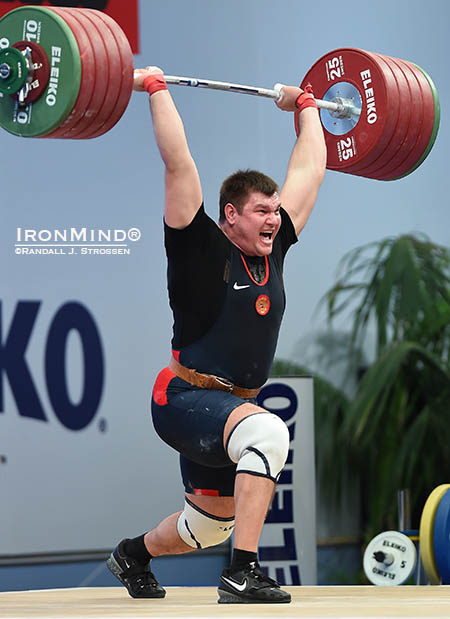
262, 304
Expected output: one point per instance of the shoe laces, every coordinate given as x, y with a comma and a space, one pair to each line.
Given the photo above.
259, 575
144, 580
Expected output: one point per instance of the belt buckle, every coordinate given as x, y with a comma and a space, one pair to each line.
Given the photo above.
225, 383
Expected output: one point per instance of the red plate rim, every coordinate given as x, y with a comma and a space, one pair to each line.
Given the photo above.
114, 62
99, 55
426, 120
127, 64
87, 85
402, 127
392, 110
414, 128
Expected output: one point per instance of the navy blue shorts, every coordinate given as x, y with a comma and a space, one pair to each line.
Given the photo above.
192, 420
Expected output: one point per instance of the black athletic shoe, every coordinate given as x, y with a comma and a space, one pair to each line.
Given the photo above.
250, 586
137, 578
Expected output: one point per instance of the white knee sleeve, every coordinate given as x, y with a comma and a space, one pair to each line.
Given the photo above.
259, 444
199, 529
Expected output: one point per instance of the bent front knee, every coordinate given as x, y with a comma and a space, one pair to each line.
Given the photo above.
259, 444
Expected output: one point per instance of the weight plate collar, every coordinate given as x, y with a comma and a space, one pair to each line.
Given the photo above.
14, 71
340, 126
40, 70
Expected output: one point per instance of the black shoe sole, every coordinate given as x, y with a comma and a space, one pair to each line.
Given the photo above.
117, 571
225, 597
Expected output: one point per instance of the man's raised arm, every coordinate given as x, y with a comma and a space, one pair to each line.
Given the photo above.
307, 163
182, 183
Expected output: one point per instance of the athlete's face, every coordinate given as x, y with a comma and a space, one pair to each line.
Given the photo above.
254, 230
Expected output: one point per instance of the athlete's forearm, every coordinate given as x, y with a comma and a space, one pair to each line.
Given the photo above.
169, 131
309, 151
167, 123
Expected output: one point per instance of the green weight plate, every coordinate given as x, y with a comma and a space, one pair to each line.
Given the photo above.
434, 131
427, 533
42, 26
14, 71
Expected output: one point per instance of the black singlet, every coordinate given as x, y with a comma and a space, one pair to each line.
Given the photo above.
225, 322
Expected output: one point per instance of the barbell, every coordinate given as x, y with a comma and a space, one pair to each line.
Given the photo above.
68, 73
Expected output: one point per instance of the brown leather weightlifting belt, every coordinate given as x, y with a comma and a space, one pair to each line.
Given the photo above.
209, 381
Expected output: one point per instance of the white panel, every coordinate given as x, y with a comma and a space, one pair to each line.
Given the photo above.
288, 543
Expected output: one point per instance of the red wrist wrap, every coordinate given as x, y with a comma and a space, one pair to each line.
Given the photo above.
153, 83
306, 99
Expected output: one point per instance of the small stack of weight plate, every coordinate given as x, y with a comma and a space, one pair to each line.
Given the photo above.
390, 558
80, 76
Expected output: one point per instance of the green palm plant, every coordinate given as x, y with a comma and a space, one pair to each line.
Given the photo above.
396, 429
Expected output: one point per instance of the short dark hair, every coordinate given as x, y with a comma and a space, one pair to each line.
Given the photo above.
236, 188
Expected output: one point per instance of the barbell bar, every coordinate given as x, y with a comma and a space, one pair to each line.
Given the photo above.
380, 115
341, 109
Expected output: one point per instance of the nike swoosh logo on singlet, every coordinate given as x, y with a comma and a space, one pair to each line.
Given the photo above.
237, 287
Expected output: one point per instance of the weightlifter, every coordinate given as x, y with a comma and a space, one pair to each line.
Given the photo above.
226, 292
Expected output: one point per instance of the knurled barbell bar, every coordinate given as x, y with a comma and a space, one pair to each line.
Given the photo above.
68, 73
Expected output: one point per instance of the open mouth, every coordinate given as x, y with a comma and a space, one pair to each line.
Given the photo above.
266, 235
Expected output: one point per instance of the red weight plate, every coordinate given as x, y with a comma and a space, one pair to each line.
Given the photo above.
116, 78
427, 121
417, 125
435, 129
87, 85
392, 110
127, 68
108, 65
412, 109
401, 129
99, 54
376, 85
41, 74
